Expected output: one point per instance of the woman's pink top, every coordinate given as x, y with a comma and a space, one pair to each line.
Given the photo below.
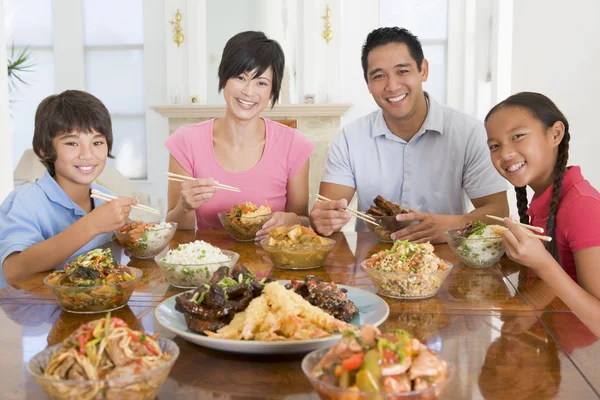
286, 151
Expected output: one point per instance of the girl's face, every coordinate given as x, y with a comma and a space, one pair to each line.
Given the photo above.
247, 95
80, 157
522, 149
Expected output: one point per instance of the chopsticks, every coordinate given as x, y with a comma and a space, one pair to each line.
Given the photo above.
96, 194
530, 234
530, 227
182, 178
357, 214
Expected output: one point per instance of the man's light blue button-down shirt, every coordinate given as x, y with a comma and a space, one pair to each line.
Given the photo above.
36, 212
445, 160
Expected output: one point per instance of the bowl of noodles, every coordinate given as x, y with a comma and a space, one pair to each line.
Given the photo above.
104, 359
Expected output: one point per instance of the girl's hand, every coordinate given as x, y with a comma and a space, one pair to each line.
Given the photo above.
111, 215
523, 249
278, 219
197, 192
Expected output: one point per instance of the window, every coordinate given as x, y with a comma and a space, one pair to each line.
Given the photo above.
28, 24
114, 72
428, 20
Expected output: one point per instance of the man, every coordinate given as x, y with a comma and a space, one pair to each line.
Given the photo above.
413, 151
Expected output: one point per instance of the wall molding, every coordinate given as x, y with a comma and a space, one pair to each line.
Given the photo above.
279, 111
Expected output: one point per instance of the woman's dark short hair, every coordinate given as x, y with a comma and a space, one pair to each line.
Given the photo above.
383, 36
69, 111
249, 51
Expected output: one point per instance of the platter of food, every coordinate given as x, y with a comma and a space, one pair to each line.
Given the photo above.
237, 313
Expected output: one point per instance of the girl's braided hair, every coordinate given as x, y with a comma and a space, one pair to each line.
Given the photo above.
543, 109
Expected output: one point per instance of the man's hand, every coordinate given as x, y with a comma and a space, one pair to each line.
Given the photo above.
111, 215
328, 217
278, 219
431, 227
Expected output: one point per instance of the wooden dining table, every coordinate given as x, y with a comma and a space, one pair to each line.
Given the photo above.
504, 331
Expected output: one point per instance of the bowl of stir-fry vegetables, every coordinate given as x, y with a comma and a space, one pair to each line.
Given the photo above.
145, 239
93, 282
244, 220
374, 365
105, 359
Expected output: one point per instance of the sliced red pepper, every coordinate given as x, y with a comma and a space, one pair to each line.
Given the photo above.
353, 362
134, 337
118, 322
150, 349
81, 340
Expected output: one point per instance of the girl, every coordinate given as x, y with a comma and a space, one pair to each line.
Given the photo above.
528, 138
262, 158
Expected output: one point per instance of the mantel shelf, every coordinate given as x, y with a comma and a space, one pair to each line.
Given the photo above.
279, 111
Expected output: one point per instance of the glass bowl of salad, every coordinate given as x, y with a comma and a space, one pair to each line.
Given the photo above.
296, 247
145, 239
407, 271
374, 365
477, 245
192, 264
94, 282
244, 220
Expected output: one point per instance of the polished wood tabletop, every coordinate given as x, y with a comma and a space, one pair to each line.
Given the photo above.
505, 331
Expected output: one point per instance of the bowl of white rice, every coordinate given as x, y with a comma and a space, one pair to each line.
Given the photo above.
145, 239
192, 264
477, 245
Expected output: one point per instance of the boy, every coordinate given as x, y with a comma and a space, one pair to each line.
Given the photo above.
44, 223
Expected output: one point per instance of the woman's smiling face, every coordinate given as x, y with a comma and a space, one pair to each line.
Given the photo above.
247, 95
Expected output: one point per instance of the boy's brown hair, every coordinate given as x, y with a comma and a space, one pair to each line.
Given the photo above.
69, 111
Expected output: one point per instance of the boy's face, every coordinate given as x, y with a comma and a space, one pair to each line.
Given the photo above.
80, 157
394, 80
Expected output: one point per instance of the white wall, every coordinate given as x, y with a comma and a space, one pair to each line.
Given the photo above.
556, 51
357, 20
6, 167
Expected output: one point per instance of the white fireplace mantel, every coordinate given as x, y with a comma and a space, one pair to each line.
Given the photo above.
292, 111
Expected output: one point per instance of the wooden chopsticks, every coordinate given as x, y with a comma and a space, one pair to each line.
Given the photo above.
96, 194
357, 214
530, 234
182, 178
530, 227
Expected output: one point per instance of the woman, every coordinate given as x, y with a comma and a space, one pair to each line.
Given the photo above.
267, 161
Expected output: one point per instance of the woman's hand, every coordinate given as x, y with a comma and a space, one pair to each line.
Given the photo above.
523, 249
278, 219
197, 192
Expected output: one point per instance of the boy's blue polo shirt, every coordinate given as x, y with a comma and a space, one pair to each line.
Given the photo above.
36, 212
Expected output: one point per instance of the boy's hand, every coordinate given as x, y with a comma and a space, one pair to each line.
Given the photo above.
197, 192
111, 215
